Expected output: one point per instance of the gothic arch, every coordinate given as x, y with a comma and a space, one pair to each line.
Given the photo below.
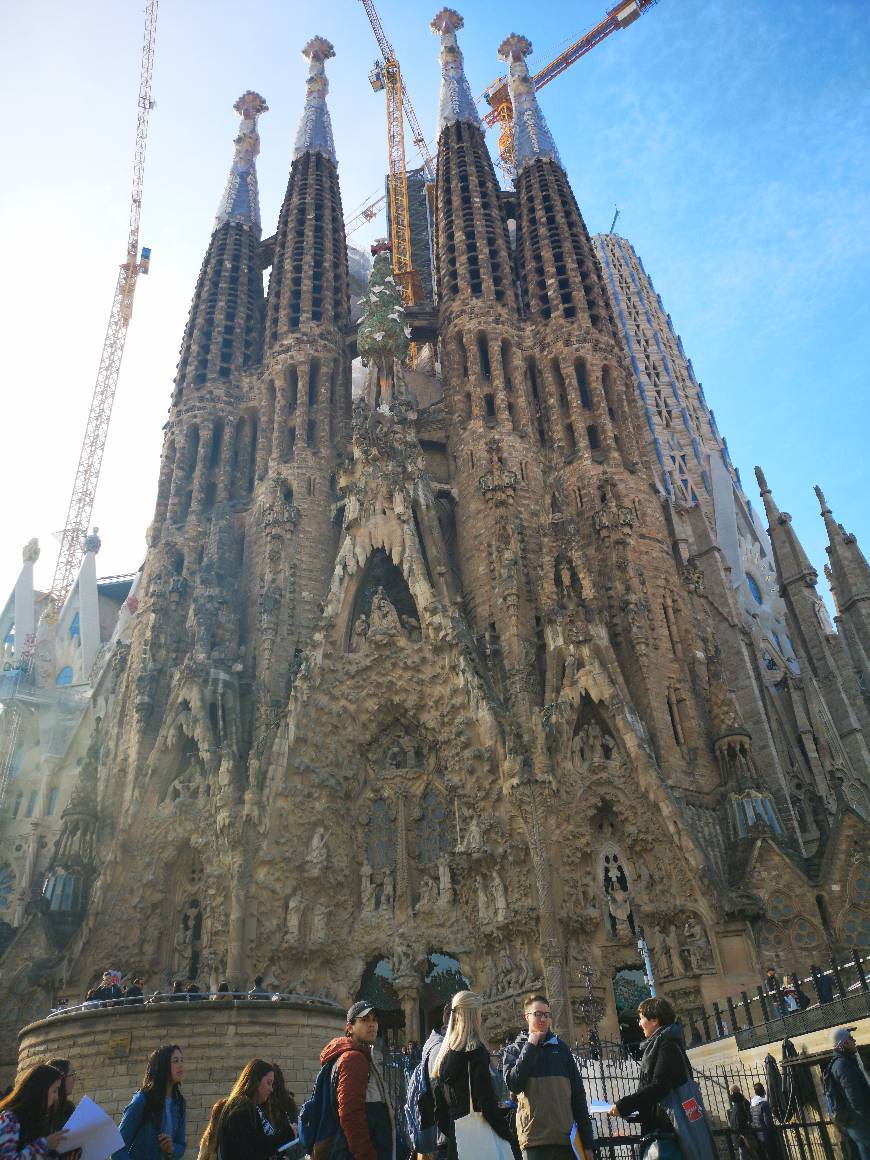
380, 600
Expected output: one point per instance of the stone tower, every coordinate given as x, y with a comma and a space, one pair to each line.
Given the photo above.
442, 685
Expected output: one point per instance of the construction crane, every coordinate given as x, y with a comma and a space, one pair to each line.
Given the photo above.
81, 502
387, 75
497, 96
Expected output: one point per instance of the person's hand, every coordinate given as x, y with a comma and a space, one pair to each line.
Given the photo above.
56, 1139
537, 1037
613, 1110
164, 1143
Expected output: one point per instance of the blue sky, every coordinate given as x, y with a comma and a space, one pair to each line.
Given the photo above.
732, 136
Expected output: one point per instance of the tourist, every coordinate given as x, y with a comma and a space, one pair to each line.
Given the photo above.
853, 1090
133, 992
771, 982
64, 1107
464, 1084
194, 995
740, 1123
367, 1124
154, 1124
109, 989
762, 1122
258, 991
430, 1053
244, 1130
664, 1067
222, 994
281, 1108
541, 1072
803, 999
824, 987
178, 994
25, 1115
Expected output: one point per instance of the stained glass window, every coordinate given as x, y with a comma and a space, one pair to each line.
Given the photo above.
804, 934
381, 837
779, 907
856, 929
752, 585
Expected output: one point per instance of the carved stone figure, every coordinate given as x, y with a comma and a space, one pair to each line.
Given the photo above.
696, 946
661, 952
318, 930
674, 949
403, 960
295, 910
445, 886
388, 893
318, 852
383, 615
428, 892
499, 897
367, 887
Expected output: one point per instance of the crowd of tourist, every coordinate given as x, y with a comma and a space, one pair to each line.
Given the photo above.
453, 1108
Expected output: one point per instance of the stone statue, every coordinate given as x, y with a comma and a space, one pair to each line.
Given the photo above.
428, 892
403, 960
367, 887
360, 631
318, 851
383, 615
473, 842
619, 908
697, 946
499, 897
673, 944
319, 919
661, 952
483, 901
295, 910
445, 885
388, 893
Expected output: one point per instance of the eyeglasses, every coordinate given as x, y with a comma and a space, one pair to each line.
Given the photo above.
540, 1014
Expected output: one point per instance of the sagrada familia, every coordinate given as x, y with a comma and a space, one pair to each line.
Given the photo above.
468, 676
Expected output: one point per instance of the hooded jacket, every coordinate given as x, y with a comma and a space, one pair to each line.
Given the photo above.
365, 1116
550, 1093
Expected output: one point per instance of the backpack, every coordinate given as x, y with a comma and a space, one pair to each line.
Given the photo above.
835, 1098
318, 1117
420, 1123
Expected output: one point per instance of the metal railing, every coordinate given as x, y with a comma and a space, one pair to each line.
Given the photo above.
167, 998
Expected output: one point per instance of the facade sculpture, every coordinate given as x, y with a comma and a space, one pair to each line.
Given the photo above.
461, 690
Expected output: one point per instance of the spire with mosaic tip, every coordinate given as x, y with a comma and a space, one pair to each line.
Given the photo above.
241, 200
531, 134
315, 128
455, 102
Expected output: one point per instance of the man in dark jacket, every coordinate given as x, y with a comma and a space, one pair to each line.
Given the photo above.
763, 1122
365, 1115
849, 1076
542, 1073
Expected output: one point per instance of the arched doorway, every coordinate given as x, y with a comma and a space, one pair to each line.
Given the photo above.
442, 980
377, 988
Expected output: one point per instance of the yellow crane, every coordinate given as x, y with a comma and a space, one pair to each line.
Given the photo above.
387, 75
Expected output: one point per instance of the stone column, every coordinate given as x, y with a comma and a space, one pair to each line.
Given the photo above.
408, 991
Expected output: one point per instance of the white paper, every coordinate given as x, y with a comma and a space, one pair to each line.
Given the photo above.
93, 1130
599, 1105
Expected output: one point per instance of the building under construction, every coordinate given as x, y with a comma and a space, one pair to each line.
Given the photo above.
468, 677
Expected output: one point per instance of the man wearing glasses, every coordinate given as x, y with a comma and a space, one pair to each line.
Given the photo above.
541, 1072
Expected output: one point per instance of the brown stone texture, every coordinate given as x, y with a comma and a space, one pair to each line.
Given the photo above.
451, 690
109, 1049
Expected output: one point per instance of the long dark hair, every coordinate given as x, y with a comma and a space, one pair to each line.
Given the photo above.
64, 1067
28, 1101
157, 1073
281, 1107
245, 1087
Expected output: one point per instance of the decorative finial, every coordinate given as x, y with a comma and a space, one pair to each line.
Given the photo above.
315, 128
455, 101
762, 482
30, 551
93, 543
532, 136
823, 503
241, 201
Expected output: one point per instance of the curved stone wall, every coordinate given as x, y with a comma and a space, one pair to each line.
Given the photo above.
109, 1047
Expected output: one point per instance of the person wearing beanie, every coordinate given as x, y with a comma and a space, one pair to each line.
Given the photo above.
854, 1090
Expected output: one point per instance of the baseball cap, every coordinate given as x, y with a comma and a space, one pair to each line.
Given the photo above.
358, 1009
842, 1034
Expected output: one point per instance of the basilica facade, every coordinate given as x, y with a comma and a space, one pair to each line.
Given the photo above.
473, 675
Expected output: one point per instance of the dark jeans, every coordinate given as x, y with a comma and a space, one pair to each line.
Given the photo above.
549, 1152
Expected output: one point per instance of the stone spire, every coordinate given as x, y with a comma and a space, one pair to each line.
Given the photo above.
315, 128
241, 201
532, 136
791, 559
849, 576
455, 101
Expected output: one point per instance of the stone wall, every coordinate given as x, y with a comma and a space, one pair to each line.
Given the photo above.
109, 1048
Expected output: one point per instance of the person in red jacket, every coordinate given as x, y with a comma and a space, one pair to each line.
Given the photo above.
366, 1119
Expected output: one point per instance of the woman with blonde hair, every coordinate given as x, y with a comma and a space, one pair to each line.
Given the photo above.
466, 1108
